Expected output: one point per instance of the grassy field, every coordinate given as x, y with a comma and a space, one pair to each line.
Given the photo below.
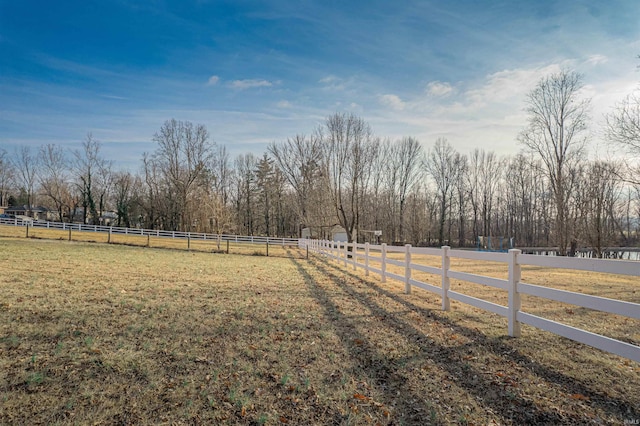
211, 246
115, 334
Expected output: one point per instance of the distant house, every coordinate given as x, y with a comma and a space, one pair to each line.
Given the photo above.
109, 218
35, 212
338, 233
305, 233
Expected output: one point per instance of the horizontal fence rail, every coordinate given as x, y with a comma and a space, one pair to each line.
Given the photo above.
363, 255
115, 230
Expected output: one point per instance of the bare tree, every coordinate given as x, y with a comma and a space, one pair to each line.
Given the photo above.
25, 164
601, 191
93, 179
221, 174
54, 179
155, 204
524, 192
6, 177
299, 160
443, 165
183, 153
485, 170
623, 128
245, 192
403, 159
266, 190
556, 132
127, 198
623, 125
348, 153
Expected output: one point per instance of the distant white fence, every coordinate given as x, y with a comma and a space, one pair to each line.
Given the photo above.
151, 232
362, 255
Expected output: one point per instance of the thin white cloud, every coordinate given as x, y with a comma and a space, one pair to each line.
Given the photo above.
439, 89
213, 80
508, 86
284, 104
331, 82
119, 98
597, 59
328, 79
250, 84
392, 101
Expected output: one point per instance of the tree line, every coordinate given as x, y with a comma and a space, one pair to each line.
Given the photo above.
342, 173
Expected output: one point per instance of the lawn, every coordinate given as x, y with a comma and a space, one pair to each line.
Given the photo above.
115, 334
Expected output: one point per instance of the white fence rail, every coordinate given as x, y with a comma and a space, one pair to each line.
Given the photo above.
362, 255
151, 232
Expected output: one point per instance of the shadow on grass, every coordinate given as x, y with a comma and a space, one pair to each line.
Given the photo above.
411, 408
450, 359
613, 406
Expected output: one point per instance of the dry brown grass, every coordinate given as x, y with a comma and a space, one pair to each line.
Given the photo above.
211, 246
97, 333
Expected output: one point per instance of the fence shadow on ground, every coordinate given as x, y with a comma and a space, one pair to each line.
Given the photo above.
518, 409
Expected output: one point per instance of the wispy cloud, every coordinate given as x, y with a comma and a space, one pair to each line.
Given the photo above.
119, 98
284, 104
332, 82
249, 84
438, 88
597, 59
213, 80
328, 79
392, 101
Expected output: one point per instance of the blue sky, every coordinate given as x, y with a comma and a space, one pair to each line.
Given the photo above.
256, 72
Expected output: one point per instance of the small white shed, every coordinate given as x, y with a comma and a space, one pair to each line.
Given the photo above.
338, 233
305, 233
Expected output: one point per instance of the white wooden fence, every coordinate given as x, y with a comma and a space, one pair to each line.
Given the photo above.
363, 255
150, 232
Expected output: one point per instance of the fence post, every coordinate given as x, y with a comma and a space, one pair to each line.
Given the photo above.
109, 236
188, 240
515, 273
407, 269
267, 247
383, 264
227, 246
27, 231
366, 259
354, 255
446, 263
346, 252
